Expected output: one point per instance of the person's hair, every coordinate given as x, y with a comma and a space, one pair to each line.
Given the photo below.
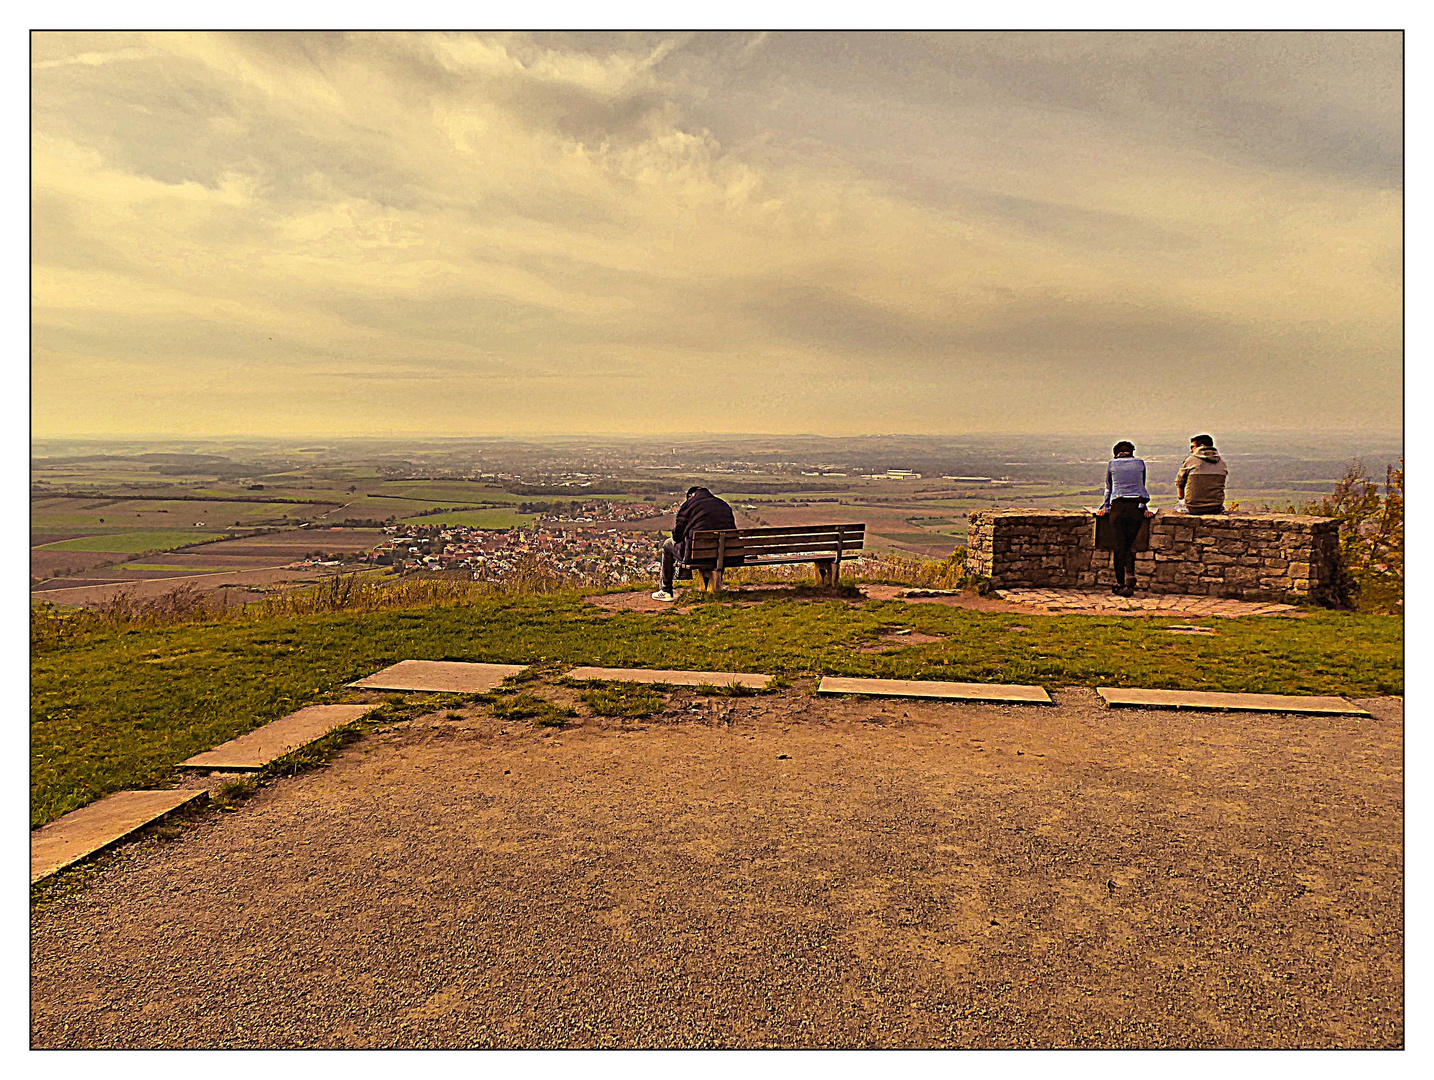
1123, 447
1203, 440
694, 489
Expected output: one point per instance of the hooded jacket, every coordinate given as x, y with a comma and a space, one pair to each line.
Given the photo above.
1201, 481
703, 511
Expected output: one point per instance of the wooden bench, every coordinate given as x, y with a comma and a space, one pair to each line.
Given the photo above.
825, 546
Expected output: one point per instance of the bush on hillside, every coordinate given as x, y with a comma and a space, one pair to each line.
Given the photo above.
1371, 533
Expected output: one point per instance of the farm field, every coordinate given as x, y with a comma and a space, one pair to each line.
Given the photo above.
105, 520
133, 543
476, 519
241, 586
257, 560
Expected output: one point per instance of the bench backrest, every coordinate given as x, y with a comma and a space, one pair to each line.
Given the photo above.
818, 541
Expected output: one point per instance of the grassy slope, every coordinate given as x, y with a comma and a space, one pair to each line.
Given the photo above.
121, 709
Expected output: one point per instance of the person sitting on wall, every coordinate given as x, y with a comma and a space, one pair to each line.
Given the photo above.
1125, 501
1201, 480
700, 512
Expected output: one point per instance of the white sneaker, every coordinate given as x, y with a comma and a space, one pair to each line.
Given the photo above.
663, 595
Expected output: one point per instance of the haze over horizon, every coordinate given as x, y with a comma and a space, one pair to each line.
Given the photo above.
323, 235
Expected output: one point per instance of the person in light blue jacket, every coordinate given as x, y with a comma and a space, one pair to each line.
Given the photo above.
1125, 501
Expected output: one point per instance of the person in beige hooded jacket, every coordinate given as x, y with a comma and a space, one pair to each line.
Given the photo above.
1201, 480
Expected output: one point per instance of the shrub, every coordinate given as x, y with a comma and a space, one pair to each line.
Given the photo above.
1371, 533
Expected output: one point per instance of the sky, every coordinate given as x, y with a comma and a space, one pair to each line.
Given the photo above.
299, 234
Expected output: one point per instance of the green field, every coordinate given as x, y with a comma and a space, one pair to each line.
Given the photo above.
477, 519
132, 543
119, 709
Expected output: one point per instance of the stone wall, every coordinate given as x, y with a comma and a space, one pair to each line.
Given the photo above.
1241, 556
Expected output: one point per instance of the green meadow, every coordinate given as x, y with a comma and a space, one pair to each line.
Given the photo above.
115, 709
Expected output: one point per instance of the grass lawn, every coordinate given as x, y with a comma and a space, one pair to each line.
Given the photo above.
133, 543
119, 709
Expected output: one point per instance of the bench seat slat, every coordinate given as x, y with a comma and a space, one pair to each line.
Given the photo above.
769, 530
794, 538
700, 542
768, 560
816, 551
736, 544
775, 545
809, 554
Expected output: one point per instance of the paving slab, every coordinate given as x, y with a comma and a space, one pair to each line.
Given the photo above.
92, 828
1189, 699
672, 678
927, 688
440, 676
272, 741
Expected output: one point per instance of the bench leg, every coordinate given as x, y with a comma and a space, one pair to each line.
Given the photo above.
716, 580
706, 580
824, 571
836, 572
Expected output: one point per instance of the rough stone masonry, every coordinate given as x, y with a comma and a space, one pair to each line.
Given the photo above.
1277, 557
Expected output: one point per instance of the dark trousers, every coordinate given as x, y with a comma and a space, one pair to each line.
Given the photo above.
1126, 517
670, 550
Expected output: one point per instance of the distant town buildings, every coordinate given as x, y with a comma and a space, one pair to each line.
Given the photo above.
575, 542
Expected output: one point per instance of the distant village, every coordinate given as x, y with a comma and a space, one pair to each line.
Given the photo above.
574, 542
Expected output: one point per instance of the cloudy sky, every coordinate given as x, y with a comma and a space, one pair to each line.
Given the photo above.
295, 234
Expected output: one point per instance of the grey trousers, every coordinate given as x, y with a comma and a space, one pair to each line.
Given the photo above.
670, 550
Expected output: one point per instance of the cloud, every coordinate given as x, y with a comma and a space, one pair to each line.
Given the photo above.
516, 232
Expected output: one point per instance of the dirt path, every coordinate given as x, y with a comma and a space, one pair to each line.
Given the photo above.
783, 871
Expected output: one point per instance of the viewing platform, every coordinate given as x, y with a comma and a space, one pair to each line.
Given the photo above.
1255, 557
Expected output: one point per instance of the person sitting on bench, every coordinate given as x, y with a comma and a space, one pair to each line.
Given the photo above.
701, 512
1201, 480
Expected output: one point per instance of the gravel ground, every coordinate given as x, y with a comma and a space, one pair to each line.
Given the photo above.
779, 871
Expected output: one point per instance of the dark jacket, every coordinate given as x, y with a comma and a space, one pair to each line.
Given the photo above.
703, 511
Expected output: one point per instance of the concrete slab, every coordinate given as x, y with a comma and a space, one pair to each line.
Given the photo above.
672, 678
440, 676
1186, 699
92, 828
927, 688
273, 741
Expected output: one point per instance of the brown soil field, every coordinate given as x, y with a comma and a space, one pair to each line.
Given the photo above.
879, 522
44, 564
779, 871
145, 585
295, 543
37, 539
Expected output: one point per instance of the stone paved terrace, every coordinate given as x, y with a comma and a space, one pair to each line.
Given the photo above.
1256, 557
1167, 604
